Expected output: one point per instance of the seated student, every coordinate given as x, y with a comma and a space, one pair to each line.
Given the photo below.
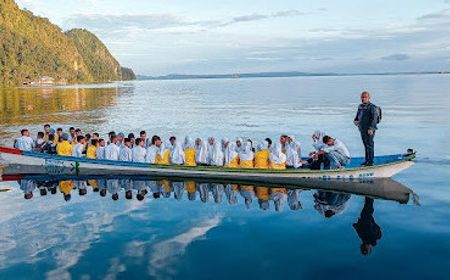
177, 155
77, 150
153, 150
39, 142
47, 132
143, 136
230, 156
110, 135
125, 151
317, 138
50, 146
132, 139
25, 142
238, 144
189, 151
71, 134
293, 153
270, 143
139, 151
120, 139
87, 141
316, 159
100, 152
336, 152
277, 158
59, 133
163, 156
262, 155
201, 152
112, 151
215, 154
64, 148
246, 155
92, 149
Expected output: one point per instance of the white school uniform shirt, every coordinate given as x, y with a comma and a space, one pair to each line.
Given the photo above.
293, 155
100, 153
339, 147
150, 156
24, 143
138, 154
112, 152
125, 154
77, 151
201, 153
177, 155
215, 155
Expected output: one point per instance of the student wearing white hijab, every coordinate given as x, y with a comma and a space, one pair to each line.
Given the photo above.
317, 139
262, 155
239, 143
293, 153
176, 154
231, 157
215, 154
277, 158
163, 156
246, 155
201, 152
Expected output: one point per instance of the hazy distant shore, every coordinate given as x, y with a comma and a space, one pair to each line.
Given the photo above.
278, 75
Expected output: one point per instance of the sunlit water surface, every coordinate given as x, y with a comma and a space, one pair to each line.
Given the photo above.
95, 237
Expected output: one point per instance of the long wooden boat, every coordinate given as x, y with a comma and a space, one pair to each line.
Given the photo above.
25, 162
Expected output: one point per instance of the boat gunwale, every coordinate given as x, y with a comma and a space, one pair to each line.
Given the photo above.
403, 158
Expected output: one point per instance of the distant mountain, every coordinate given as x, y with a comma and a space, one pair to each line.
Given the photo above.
32, 48
272, 75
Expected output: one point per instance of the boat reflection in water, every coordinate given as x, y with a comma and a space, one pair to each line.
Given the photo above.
330, 197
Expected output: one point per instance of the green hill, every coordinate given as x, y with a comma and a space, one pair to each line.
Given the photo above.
32, 47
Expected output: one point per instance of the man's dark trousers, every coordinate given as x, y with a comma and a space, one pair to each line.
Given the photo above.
369, 145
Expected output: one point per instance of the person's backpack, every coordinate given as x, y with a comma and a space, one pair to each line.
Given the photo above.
379, 114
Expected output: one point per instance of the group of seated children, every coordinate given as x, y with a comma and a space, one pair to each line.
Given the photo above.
329, 153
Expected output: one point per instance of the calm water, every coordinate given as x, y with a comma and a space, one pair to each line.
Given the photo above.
93, 237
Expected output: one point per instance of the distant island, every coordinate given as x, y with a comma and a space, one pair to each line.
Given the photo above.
35, 51
275, 75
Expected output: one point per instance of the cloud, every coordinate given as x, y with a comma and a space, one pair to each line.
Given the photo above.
443, 14
164, 22
396, 57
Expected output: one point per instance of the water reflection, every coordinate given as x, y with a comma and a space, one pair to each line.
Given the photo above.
330, 197
35, 105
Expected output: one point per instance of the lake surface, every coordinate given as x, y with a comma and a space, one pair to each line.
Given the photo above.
170, 235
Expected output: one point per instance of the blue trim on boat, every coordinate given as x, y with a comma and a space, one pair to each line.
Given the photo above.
355, 162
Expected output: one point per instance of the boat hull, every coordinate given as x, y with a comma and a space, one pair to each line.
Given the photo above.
18, 162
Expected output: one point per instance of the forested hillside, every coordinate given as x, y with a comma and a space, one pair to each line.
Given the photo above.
32, 47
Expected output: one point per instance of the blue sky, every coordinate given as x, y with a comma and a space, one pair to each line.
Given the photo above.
206, 36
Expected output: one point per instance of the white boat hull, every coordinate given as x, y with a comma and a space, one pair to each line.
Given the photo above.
30, 164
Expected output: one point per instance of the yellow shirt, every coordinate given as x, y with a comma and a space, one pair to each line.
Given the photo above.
246, 164
163, 160
91, 152
262, 193
190, 187
262, 159
234, 163
66, 187
64, 149
277, 166
56, 138
189, 157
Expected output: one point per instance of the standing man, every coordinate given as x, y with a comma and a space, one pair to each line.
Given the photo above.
366, 120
